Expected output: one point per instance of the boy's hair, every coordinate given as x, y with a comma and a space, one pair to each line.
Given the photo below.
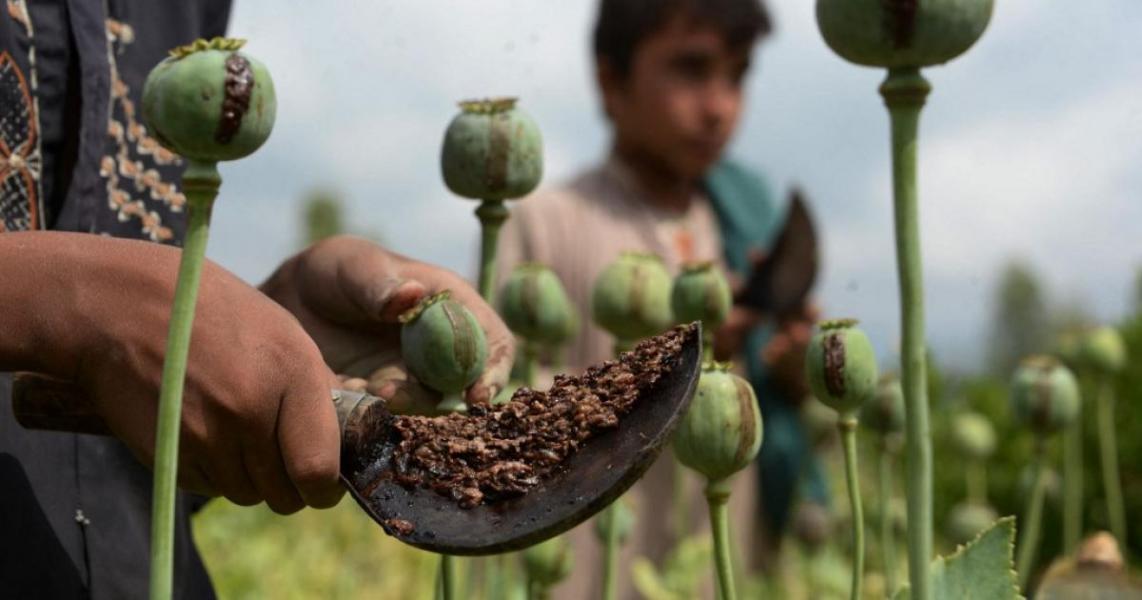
623, 24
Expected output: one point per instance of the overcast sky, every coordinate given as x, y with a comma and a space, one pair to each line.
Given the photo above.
1030, 144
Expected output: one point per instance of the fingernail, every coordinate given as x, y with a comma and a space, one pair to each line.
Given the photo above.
405, 296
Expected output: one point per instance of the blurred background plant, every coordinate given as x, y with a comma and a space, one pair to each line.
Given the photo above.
340, 553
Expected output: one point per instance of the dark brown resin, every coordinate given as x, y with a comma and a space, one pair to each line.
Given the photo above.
236, 101
834, 364
499, 452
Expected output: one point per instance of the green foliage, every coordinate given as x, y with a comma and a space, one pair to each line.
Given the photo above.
682, 571
336, 553
981, 569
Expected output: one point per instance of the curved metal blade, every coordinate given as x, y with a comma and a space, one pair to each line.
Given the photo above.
781, 283
605, 467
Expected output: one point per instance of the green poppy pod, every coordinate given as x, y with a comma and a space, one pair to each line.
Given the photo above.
701, 293
840, 365
209, 102
631, 297
1103, 350
442, 344
1044, 394
973, 436
492, 151
534, 304
884, 410
549, 562
720, 434
569, 331
967, 519
909, 33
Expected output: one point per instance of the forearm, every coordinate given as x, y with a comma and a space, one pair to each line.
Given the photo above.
51, 285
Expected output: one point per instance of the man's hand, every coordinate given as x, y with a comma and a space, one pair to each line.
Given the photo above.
784, 355
258, 421
348, 294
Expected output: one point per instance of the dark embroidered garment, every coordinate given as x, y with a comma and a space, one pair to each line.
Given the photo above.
75, 156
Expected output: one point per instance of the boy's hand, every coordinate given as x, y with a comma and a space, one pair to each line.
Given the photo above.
784, 355
258, 423
348, 294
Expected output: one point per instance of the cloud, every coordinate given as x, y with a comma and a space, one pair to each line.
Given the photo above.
1028, 142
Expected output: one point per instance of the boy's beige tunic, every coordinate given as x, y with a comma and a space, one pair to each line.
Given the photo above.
577, 229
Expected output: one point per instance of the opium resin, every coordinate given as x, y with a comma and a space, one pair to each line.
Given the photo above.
498, 452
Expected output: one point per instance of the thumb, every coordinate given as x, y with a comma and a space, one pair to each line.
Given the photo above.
362, 287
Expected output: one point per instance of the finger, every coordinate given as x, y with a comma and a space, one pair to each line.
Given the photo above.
800, 333
309, 440
405, 397
228, 474
350, 280
268, 472
354, 384
497, 371
773, 351
193, 478
812, 311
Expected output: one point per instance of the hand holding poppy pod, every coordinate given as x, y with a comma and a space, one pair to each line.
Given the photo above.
208, 102
841, 368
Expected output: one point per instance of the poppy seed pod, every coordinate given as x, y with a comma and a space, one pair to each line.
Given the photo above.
549, 562
631, 298
884, 410
209, 102
442, 344
973, 436
1103, 350
840, 365
967, 519
492, 151
720, 434
701, 293
1044, 394
534, 304
877, 33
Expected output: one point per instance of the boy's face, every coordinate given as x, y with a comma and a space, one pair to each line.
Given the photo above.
680, 102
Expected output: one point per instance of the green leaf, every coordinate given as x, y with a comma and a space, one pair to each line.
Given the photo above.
984, 568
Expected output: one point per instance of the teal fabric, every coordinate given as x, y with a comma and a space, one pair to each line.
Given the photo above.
748, 218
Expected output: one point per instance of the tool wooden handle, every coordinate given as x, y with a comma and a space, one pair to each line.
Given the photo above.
42, 402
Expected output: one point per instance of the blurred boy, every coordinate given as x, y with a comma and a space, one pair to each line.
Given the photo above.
670, 75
